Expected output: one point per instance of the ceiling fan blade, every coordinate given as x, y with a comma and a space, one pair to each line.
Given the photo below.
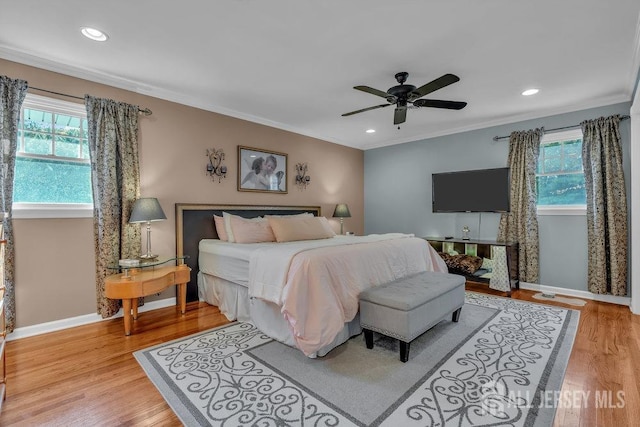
365, 109
374, 92
400, 115
436, 103
434, 85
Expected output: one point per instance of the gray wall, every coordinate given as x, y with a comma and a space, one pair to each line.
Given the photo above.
397, 192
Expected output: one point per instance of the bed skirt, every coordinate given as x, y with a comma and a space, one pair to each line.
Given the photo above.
234, 302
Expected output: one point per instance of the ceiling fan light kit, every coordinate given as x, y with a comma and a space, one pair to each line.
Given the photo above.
408, 96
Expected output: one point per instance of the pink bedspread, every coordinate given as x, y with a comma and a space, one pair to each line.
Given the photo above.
322, 284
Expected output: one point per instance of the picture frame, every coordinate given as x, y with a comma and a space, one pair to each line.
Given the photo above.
262, 171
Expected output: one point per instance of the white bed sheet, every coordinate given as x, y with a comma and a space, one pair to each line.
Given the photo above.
233, 301
229, 261
231, 298
285, 293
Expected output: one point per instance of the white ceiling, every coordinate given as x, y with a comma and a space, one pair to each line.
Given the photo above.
292, 64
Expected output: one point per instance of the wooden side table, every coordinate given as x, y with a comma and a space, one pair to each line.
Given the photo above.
137, 283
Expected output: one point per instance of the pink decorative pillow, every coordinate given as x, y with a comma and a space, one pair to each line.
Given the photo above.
299, 228
222, 232
253, 230
227, 224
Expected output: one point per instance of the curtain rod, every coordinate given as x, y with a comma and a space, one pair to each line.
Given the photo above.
145, 111
496, 138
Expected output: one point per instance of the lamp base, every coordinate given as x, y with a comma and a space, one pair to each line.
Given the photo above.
148, 256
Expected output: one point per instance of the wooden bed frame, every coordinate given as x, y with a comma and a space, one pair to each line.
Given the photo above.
194, 222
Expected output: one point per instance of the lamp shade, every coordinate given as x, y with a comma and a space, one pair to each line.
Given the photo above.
342, 211
146, 210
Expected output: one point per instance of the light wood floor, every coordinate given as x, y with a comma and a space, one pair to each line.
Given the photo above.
87, 376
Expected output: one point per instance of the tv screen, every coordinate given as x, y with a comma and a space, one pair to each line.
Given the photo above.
485, 190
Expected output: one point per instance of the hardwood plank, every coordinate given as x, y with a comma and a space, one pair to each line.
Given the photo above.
88, 376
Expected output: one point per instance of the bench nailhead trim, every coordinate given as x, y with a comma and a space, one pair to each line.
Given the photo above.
385, 332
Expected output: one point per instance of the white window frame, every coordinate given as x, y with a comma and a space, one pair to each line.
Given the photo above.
53, 210
549, 138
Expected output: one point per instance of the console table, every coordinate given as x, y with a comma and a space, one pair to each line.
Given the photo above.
146, 279
483, 249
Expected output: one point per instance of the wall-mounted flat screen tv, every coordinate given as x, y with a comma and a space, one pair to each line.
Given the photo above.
484, 190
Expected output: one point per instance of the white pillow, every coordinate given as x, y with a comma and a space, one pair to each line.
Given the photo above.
220, 228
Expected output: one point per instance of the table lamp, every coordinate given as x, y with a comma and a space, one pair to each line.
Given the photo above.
342, 212
147, 210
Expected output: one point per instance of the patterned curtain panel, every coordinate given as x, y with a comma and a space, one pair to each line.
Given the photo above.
115, 176
606, 206
521, 224
12, 93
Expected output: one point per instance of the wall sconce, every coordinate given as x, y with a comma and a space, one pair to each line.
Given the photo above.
302, 179
215, 168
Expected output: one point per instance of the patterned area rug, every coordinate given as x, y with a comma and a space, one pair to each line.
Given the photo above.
501, 364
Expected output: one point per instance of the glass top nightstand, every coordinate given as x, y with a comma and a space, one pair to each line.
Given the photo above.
147, 279
143, 263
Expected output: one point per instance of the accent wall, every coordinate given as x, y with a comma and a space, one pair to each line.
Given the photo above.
397, 192
54, 268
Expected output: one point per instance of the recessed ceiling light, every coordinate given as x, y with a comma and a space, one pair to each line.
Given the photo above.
371, 130
530, 92
94, 34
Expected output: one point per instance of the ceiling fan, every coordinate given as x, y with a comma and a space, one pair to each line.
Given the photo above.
404, 94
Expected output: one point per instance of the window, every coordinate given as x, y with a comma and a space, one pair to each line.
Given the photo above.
560, 177
53, 172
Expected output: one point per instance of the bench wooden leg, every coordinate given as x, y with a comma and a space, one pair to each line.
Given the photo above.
456, 315
404, 351
368, 338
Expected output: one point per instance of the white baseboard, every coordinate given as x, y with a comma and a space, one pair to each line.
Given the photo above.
576, 293
56, 325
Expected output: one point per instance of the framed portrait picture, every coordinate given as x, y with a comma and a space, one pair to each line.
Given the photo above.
262, 170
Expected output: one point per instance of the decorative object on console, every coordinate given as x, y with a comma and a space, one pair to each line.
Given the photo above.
262, 170
130, 262
461, 263
302, 179
465, 232
147, 210
215, 168
341, 211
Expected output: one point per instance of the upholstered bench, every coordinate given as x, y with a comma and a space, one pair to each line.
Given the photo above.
408, 307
